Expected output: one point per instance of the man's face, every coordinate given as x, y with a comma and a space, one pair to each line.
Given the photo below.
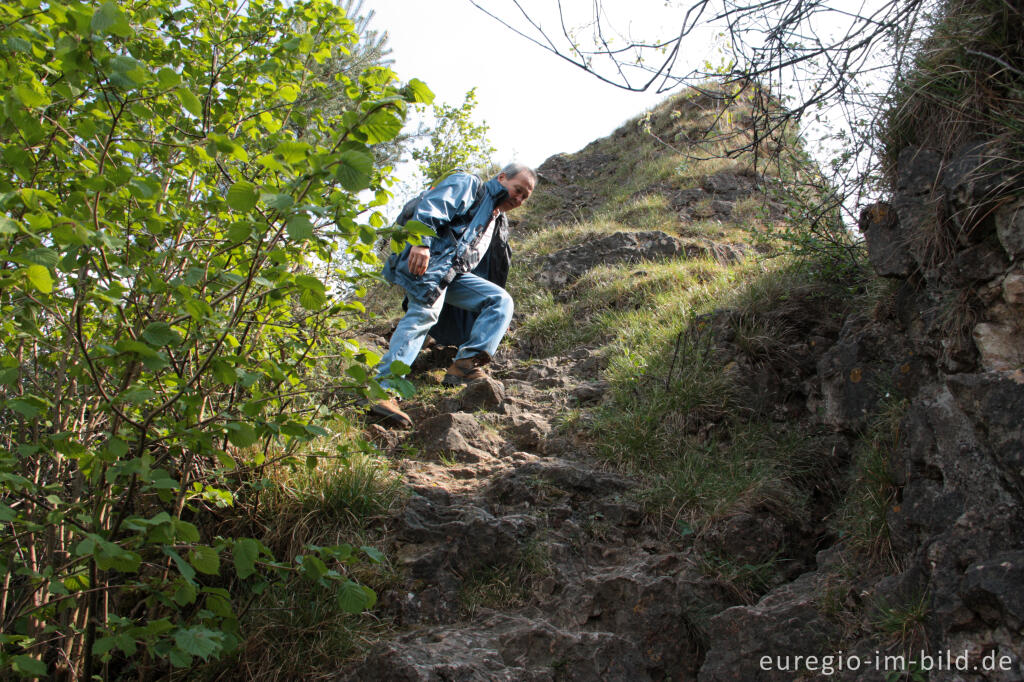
519, 186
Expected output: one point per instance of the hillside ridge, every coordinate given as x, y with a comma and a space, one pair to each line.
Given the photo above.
530, 550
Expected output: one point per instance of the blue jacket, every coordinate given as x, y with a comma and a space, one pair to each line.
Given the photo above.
448, 209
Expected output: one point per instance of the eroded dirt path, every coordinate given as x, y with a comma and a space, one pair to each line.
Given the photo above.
523, 559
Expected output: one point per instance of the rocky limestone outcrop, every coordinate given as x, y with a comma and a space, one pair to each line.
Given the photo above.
571, 180
949, 236
787, 621
952, 233
718, 194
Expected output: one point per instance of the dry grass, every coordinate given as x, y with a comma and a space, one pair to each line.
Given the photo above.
966, 85
295, 629
646, 212
344, 491
507, 586
862, 518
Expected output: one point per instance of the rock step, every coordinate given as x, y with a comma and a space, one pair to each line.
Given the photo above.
634, 621
604, 599
503, 647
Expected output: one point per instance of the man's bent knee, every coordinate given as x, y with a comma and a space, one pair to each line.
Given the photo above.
504, 303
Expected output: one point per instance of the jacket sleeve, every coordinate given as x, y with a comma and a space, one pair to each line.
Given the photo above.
453, 197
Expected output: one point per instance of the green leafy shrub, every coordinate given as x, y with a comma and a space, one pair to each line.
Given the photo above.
456, 142
164, 301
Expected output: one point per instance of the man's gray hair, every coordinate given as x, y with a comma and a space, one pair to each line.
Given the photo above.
513, 169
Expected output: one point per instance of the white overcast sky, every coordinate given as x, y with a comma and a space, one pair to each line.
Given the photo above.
535, 103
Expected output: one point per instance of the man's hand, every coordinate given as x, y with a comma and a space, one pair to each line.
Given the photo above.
419, 256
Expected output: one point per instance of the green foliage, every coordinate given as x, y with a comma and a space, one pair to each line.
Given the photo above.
293, 633
296, 629
346, 60
164, 309
814, 229
455, 142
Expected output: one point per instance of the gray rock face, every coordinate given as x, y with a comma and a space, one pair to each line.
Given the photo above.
501, 506
1010, 228
979, 263
995, 404
999, 345
947, 210
609, 609
972, 176
918, 208
956, 232
994, 589
561, 169
529, 431
485, 394
747, 538
1013, 289
591, 392
888, 247
729, 185
655, 602
949, 443
569, 180
511, 648
849, 383
857, 372
457, 435
963, 520
785, 623
958, 516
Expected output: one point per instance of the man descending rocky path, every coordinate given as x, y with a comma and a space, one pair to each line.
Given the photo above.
466, 215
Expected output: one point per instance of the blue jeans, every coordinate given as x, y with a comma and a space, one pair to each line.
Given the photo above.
470, 292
